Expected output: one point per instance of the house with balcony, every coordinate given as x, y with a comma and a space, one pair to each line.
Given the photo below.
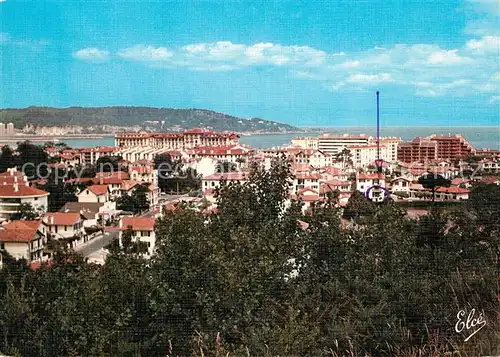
306, 180
12, 195
23, 240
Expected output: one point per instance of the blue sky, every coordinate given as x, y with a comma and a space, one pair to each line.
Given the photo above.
300, 62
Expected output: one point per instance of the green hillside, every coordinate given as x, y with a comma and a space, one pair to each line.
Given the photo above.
129, 116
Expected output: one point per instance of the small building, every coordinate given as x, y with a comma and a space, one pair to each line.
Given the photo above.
143, 231
371, 183
23, 240
65, 226
94, 193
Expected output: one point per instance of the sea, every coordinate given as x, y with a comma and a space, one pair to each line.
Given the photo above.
482, 137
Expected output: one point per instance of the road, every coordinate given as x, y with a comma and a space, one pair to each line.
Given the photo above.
98, 243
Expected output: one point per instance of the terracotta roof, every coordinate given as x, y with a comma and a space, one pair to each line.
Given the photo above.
452, 189
115, 174
458, 181
87, 209
20, 190
61, 218
10, 172
19, 231
13, 179
98, 190
307, 190
138, 223
142, 169
371, 176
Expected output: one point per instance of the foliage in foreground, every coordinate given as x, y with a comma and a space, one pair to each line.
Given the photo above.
250, 280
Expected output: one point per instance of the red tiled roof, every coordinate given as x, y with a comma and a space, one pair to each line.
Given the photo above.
116, 174
307, 190
142, 169
138, 223
19, 231
98, 190
61, 218
20, 190
12, 173
452, 189
12, 179
371, 176
458, 181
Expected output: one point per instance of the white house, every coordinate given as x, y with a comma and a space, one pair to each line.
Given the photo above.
23, 240
371, 183
214, 181
62, 225
94, 193
143, 231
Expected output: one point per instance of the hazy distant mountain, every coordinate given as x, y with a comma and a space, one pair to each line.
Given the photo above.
142, 116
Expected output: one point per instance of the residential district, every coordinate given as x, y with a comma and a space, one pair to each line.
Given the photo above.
340, 164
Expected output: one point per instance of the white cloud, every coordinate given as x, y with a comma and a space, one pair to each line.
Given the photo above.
257, 54
494, 99
91, 54
369, 78
145, 53
487, 44
448, 57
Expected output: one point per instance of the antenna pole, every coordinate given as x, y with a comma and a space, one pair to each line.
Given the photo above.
378, 133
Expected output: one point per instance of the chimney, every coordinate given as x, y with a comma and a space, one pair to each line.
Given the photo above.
52, 220
16, 187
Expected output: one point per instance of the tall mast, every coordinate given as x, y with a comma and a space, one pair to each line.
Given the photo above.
379, 166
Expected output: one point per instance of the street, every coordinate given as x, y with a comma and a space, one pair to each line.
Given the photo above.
94, 249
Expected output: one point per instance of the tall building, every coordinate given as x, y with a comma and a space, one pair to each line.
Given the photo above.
451, 147
306, 143
445, 147
2, 129
9, 131
364, 155
335, 143
419, 149
186, 140
392, 145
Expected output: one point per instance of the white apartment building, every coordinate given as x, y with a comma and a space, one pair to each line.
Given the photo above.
306, 143
12, 195
364, 155
335, 143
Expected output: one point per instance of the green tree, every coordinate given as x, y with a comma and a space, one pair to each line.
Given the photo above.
8, 159
358, 206
27, 212
433, 182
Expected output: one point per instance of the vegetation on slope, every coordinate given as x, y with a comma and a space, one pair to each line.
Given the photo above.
249, 280
130, 116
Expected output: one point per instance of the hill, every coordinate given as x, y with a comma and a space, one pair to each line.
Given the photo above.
138, 116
